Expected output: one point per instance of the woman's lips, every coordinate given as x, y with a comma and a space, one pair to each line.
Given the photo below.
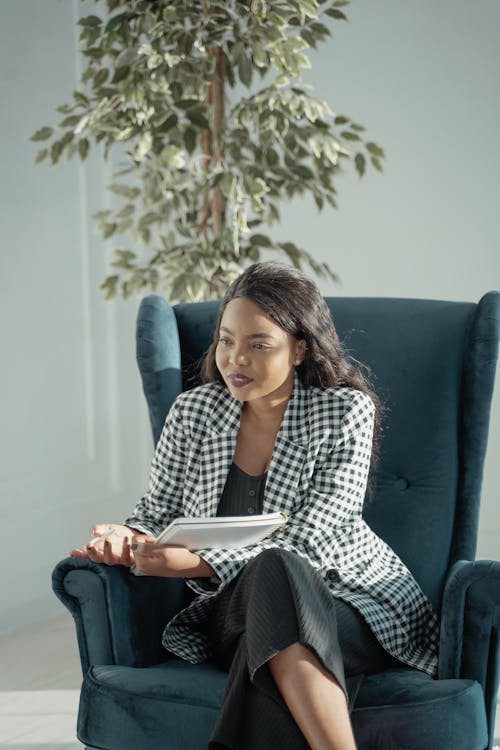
238, 381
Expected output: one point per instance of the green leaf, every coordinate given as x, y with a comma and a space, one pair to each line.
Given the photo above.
226, 182
375, 150
258, 187
90, 21
318, 199
341, 3
144, 146
341, 120
42, 134
70, 121
190, 140
56, 151
349, 136
109, 286
155, 61
262, 240
197, 117
126, 133
126, 191
100, 77
360, 163
108, 230
81, 99
260, 56
292, 251
114, 22
310, 8
245, 70
121, 74
173, 156
309, 38
126, 57
41, 155
83, 148
258, 8
336, 14
377, 164
302, 171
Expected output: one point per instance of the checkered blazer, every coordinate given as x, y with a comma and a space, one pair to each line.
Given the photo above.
318, 476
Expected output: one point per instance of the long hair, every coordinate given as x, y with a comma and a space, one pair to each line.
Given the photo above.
293, 301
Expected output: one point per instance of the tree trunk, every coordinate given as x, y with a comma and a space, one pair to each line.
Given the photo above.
214, 204
218, 201
207, 153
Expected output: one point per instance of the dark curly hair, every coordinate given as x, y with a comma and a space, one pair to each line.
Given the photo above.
293, 301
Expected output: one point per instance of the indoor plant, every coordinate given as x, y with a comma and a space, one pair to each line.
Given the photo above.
201, 173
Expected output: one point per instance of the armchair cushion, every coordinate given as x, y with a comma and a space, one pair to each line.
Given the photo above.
173, 704
400, 708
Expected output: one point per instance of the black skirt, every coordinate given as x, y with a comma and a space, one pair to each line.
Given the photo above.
279, 599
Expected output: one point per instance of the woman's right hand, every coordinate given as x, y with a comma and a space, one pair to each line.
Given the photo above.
113, 549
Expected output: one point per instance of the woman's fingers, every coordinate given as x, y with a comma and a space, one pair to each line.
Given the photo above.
94, 555
107, 555
110, 550
79, 552
128, 558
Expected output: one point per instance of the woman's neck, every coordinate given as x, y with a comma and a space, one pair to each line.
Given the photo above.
266, 412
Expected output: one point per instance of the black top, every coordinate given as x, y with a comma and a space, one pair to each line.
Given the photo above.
243, 494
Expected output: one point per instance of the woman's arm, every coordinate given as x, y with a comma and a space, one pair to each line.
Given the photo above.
163, 499
168, 561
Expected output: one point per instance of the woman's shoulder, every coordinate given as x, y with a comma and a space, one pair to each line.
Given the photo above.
342, 405
201, 397
343, 396
203, 406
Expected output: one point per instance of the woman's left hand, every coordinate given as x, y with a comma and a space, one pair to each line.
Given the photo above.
167, 560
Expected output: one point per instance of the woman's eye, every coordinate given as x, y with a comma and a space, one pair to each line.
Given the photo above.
224, 341
261, 346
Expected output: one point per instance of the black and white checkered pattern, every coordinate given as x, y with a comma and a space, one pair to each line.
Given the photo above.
318, 477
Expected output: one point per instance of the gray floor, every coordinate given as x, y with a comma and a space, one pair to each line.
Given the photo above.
39, 687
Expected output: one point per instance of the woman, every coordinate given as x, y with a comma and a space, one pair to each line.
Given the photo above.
283, 422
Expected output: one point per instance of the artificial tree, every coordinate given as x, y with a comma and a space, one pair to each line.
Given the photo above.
201, 173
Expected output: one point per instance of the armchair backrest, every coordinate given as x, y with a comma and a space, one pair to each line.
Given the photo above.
432, 364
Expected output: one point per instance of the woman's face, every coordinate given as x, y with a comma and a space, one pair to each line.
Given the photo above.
254, 355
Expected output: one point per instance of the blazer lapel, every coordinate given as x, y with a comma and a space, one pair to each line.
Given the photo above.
289, 454
217, 451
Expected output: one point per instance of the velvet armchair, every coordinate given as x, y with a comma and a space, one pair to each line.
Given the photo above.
433, 365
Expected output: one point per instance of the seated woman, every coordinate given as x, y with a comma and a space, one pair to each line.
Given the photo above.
283, 422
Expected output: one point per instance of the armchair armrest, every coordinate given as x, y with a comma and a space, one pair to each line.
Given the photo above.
470, 628
119, 617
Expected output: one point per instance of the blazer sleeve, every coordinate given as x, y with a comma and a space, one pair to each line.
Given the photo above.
163, 499
334, 502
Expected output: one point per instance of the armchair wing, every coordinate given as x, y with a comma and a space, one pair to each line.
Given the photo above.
470, 628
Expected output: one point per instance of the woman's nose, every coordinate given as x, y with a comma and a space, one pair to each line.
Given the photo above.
238, 356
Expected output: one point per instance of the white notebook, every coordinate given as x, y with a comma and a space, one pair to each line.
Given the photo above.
221, 531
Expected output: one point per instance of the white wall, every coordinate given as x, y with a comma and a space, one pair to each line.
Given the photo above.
74, 439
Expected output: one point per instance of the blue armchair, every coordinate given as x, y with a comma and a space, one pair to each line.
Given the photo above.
433, 364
